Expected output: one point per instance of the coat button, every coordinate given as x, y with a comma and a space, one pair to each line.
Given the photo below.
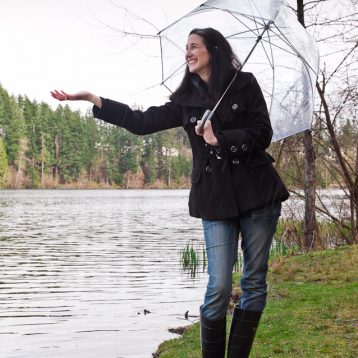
192, 119
244, 147
236, 161
235, 106
208, 169
233, 149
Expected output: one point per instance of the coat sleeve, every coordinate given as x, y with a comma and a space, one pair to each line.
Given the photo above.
257, 134
154, 119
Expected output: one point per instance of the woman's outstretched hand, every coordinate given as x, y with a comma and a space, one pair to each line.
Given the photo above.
64, 96
79, 96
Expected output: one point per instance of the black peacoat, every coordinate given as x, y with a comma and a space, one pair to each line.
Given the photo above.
228, 180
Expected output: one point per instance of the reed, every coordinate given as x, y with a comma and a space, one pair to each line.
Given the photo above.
204, 258
190, 260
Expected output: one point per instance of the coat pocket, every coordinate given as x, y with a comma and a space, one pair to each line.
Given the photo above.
195, 175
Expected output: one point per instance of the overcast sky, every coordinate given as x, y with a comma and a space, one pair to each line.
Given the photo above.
66, 44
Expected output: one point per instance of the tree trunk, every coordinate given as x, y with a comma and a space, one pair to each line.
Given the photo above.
355, 198
57, 157
42, 158
18, 173
310, 222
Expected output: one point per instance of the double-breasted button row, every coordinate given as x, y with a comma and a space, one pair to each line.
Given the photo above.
234, 148
235, 161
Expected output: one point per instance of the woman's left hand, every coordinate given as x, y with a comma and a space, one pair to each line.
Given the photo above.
208, 133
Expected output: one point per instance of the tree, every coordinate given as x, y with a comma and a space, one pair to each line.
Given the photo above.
90, 151
310, 221
334, 26
12, 125
148, 161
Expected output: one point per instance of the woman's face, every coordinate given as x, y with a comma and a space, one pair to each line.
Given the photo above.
197, 57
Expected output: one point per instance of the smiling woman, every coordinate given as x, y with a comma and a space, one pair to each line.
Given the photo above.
235, 188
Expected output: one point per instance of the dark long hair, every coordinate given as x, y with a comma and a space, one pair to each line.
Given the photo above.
223, 63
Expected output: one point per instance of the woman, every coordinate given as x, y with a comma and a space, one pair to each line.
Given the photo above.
235, 188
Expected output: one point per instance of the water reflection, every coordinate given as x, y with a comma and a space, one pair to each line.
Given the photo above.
79, 268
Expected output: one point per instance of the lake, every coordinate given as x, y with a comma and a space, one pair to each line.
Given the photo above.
80, 269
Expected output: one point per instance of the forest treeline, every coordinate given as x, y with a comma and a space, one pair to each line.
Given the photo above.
45, 148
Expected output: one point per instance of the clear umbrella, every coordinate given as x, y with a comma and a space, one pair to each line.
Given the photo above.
269, 41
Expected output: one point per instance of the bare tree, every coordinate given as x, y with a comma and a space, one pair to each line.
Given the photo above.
335, 27
310, 222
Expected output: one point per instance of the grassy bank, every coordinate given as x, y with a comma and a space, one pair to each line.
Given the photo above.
312, 309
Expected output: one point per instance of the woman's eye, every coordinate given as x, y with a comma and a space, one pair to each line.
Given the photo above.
191, 47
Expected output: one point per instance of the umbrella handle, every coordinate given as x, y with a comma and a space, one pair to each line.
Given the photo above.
208, 114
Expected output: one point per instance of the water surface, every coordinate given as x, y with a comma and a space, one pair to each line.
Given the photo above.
78, 270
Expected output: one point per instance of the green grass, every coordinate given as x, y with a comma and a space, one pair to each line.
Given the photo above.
312, 309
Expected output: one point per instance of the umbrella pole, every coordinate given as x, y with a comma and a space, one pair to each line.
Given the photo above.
209, 113
259, 38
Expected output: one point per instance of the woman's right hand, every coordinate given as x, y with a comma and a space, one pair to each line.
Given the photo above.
79, 96
64, 96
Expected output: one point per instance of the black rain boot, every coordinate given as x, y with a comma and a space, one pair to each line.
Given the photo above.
213, 338
242, 332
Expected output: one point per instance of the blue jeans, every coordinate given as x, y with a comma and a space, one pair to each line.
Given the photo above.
257, 229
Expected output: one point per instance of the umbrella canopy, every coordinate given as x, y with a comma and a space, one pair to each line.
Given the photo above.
269, 42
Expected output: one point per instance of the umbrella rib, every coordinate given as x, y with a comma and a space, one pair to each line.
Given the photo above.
295, 50
269, 58
272, 66
257, 41
260, 38
281, 48
248, 28
173, 73
161, 57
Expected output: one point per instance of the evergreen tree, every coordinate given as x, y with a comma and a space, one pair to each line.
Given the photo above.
12, 125
90, 151
148, 161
